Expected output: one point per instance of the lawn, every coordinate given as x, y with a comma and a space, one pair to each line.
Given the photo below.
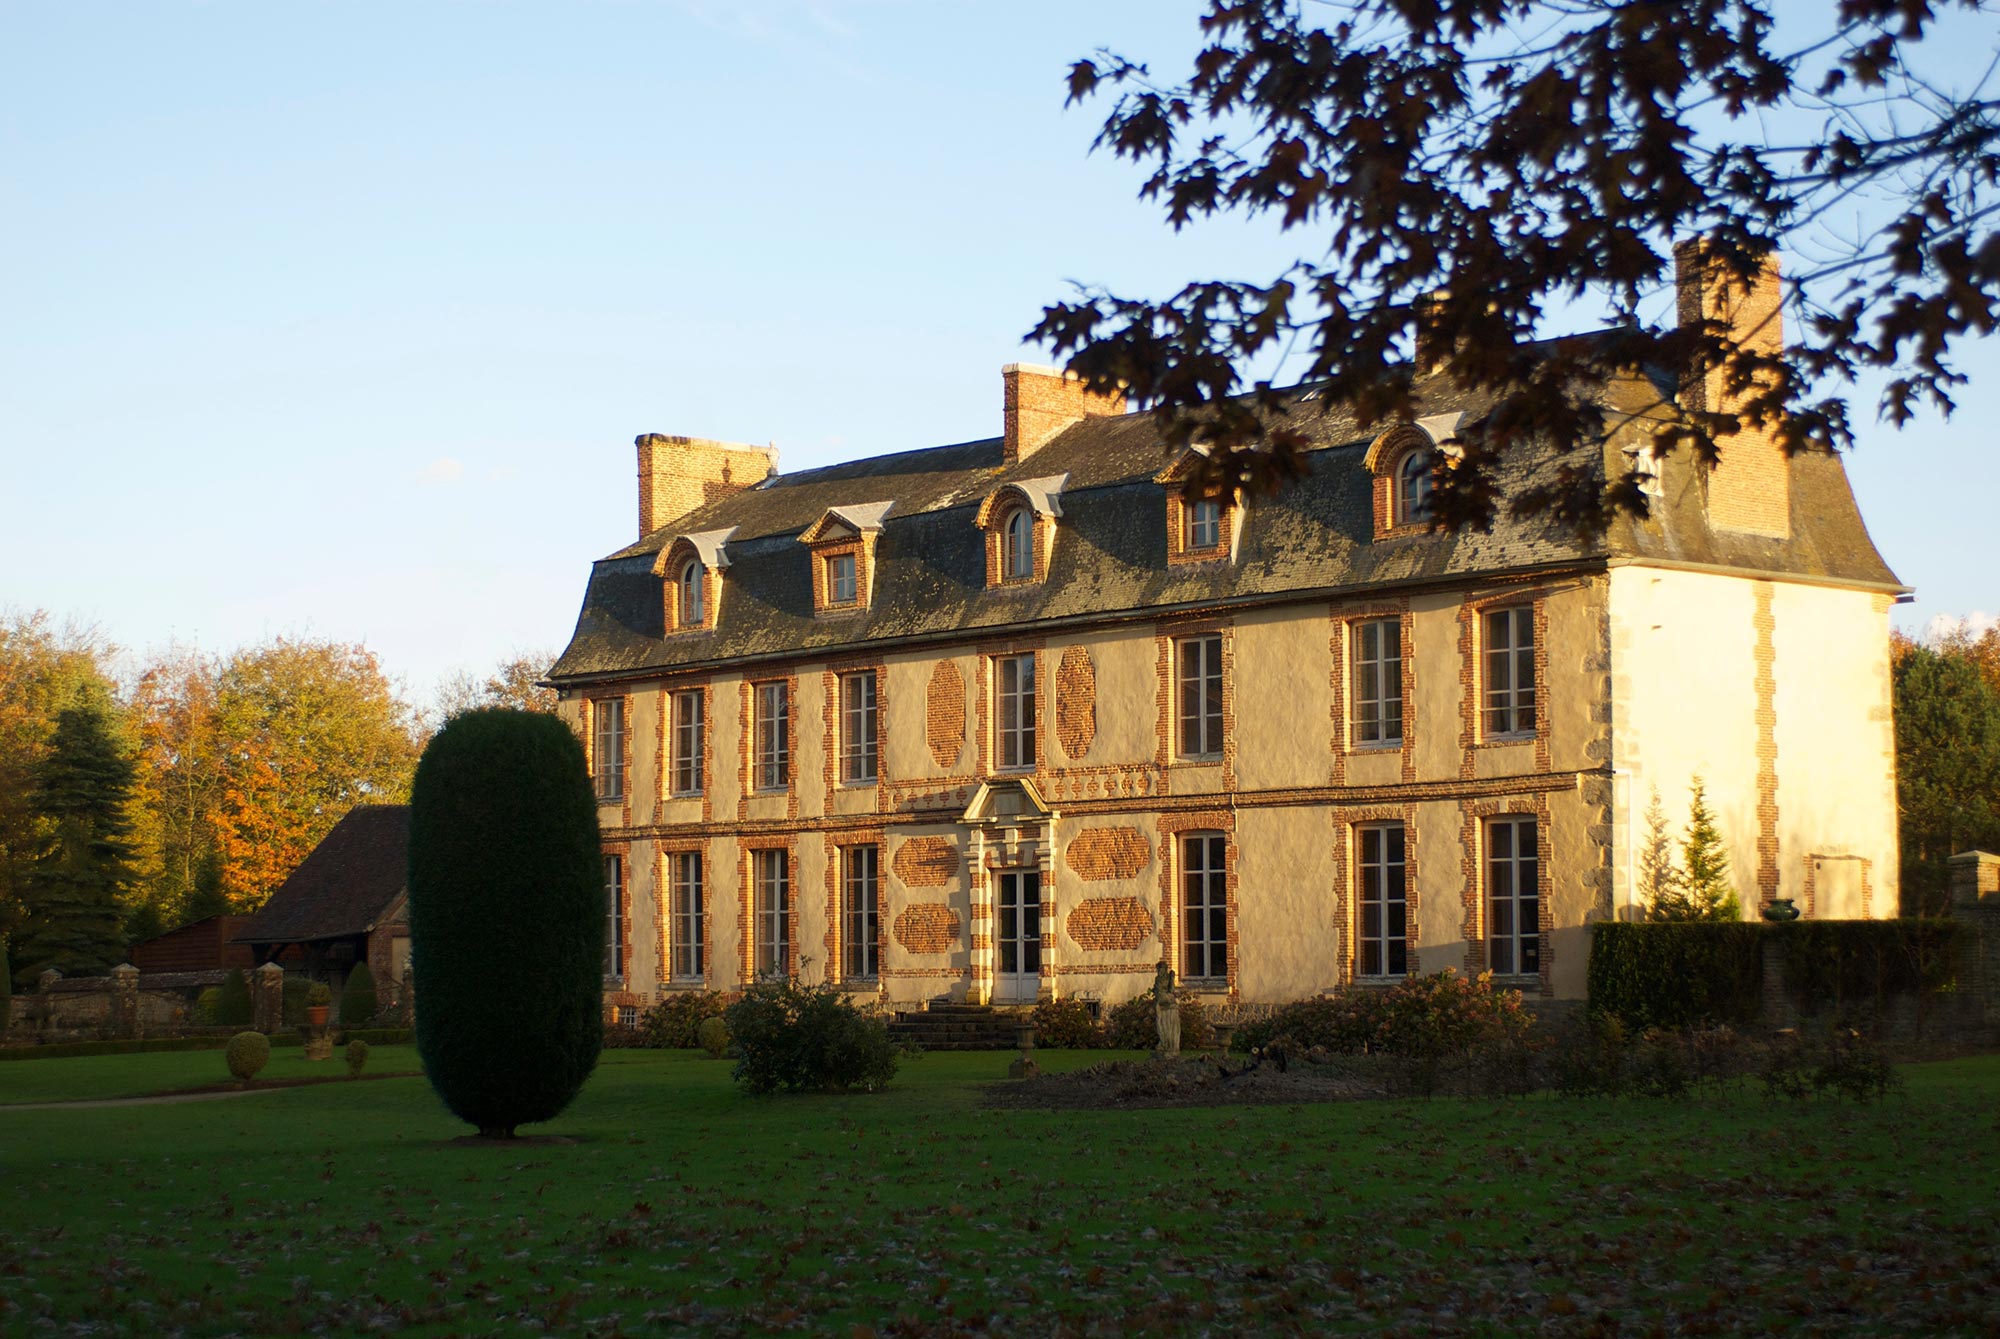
688, 1207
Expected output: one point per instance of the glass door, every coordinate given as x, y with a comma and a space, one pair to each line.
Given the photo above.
1018, 977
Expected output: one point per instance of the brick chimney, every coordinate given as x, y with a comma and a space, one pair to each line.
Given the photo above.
1750, 487
1040, 402
679, 474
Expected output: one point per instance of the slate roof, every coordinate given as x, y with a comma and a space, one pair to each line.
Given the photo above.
1110, 551
344, 886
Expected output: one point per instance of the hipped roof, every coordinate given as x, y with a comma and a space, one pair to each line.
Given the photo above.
353, 876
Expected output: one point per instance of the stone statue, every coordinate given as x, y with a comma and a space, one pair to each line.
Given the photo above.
1167, 1012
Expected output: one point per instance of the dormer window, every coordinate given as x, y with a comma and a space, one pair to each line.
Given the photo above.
691, 571
1413, 488
1019, 519
1204, 524
842, 544
693, 586
1018, 541
1201, 526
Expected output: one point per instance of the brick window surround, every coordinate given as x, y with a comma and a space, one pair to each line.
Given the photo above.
1181, 530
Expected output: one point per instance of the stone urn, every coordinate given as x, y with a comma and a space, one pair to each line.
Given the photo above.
1780, 909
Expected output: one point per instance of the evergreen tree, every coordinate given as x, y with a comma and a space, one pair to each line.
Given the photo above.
1947, 767
1702, 890
6, 990
1657, 876
84, 869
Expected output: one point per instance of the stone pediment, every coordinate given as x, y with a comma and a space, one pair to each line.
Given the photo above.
1008, 802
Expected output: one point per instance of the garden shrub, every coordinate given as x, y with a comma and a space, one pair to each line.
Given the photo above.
807, 1039
297, 994
1840, 1064
1135, 1026
357, 997
675, 1022
246, 1054
357, 1057
6, 990
1066, 1024
1446, 1014
507, 917
232, 1000
202, 1012
714, 1033
1676, 974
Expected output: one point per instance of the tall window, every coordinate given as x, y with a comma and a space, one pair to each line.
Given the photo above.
841, 586
773, 736
1015, 677
614, 915
688, 742
685, 919
607, 716
1201, 697
1204, 523
774, 905
1378, 682
692, 610
1205, 906
857, 727
861, 923
1413, 488
1384, 932
1510, 671
1513, 919
1017, 557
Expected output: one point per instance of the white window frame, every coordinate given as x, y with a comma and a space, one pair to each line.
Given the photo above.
685, 895
1413, 487
1017, 545
1507, 676
692, 582
1199, 675
1204, 907
861, 913
1204, 524
859, 742
774, 906
1513, 895
1381, 899
614, 915
607, 725
689, 741
1377, 646
1014, 712
843, 578
772, 715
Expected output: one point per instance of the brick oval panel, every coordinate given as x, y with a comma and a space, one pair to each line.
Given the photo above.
926, 862
1110, 924
1108, 853
944, 714
927, 927
1076, 701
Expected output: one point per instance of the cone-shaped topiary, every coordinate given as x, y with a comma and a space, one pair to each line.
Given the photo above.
507, 917
357, 1058
6, 990
248, 1053
357, 997
232, 1002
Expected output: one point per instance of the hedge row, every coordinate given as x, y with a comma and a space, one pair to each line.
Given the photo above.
1675, 975
213, 1042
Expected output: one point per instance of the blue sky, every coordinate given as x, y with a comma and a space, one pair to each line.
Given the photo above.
340, 320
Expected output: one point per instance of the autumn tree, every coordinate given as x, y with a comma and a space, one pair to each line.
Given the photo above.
1479, 174
43, 665
1947, 768
181, 782
515, 682
74, 897
302, 732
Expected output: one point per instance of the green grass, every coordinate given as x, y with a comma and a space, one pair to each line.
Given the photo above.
688, 1207
90, 1078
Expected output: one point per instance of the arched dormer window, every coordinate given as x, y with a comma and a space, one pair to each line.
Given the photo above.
1413, 487
1019, 518
693, 585
1017, 558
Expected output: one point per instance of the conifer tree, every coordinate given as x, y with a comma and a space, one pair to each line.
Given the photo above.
1703, 891
84, 868
1657, 876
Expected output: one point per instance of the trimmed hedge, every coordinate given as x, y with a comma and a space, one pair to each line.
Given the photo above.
1676, 974
357, 997
507, 917
1686, 975
216, 1041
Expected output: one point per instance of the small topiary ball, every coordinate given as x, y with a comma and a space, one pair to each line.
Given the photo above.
248, 1052
714, 1037
357, 1057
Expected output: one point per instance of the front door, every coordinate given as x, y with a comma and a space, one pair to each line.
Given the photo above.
1019, 976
